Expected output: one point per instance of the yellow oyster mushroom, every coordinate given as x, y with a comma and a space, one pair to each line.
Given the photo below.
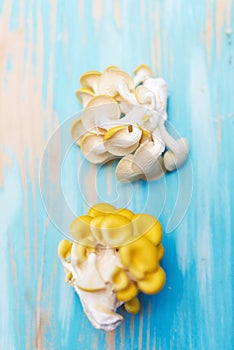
132, 306
125, 212
84, 95
147, 225
93, 148
153, 282
122, 140
128, 293
119, 279
81, 252
100, 112
90, 80
135, 273
141, 254
77, 131
80, 229
101, 209
160, 252
115, 229
95, 226
64, 249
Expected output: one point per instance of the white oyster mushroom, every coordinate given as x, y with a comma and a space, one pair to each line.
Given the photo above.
135, 115
114, 69
90, 80
145, 97
84, 95
159, 87
91, 280
77, 131
178, 149
124, 171
150, 121
125, 107
123, 115
142, 72
116, 82
122, 140
148, 160
101, 111
94, 150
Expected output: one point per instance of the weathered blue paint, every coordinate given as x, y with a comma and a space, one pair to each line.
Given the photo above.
44, 48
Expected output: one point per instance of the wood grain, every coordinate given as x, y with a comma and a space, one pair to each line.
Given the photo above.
44, 48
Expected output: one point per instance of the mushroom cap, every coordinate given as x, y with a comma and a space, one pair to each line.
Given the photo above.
174, 160
80, 229
93, 148
160, 252
132, 306
153, 282
145, 136
112, 229
79, 253
90, 79
148, 226
128, 293
124, 171
146, 160
77, 130
125, 107
145, 96
141, 254
96, 229
122, 140
143, 67
64, 249
100, 111
113, 69
84, 95
135, 273
119, 83
119, 278
125, 212
101, 209
111, 82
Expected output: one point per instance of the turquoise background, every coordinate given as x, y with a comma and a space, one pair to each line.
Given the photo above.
44, 47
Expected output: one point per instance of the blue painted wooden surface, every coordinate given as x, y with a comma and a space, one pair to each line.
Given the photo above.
44, 48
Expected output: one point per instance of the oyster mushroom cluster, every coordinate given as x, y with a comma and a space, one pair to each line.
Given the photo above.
115, 255
124, 117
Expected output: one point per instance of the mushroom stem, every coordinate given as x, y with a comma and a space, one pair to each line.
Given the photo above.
178, 149
170, 142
